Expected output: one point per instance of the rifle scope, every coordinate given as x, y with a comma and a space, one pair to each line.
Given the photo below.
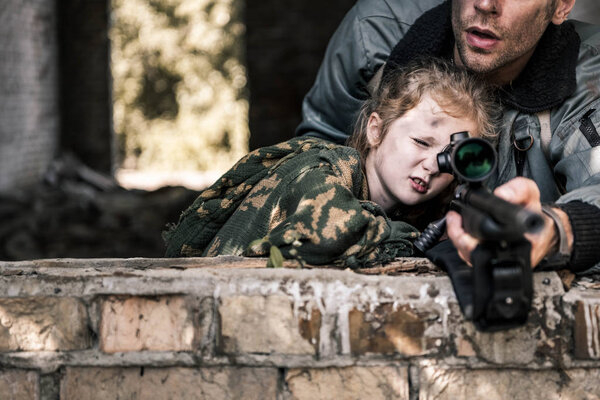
470, 159
473, 160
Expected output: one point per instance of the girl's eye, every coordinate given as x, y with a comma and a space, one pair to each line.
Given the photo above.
421, 142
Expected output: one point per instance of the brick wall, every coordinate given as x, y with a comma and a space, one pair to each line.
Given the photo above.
28, 91
227, 328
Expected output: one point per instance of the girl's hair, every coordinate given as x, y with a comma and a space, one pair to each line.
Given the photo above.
458, 92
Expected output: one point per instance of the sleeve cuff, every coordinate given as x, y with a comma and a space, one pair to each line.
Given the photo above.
585, 223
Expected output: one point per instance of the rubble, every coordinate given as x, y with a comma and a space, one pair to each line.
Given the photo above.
76, 212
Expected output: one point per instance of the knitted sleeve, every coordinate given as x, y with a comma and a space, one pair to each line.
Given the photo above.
585, 222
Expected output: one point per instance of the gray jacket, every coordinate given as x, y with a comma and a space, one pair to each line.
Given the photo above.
566, 171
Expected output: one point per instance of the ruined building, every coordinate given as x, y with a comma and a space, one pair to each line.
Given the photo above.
223, 328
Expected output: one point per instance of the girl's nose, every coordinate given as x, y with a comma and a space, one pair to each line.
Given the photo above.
430, 164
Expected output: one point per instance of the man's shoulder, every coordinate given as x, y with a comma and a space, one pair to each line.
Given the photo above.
404, 12
588, 68
589, 33
567, 117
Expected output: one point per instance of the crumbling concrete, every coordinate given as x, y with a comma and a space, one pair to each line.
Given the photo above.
310, 332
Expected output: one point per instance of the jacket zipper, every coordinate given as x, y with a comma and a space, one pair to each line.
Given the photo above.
588, 129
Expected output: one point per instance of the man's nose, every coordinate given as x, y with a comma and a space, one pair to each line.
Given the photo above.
487, 6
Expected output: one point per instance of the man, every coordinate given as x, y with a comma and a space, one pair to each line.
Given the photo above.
548, 75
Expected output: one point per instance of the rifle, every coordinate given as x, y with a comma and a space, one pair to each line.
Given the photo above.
496, 292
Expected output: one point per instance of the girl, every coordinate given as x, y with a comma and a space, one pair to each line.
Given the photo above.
324, 203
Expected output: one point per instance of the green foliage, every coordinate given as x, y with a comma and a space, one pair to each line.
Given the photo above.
179, 92
275, 258
158, 97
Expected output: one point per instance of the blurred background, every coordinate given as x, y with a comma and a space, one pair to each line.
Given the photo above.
115, 113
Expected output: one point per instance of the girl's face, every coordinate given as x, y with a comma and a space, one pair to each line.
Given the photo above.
402, 168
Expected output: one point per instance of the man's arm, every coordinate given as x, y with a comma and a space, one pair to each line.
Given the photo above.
574, 154
524, 192
360, 45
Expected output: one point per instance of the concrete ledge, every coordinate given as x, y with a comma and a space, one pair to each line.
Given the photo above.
398, 332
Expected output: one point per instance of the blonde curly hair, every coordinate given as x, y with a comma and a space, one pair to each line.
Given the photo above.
458, 92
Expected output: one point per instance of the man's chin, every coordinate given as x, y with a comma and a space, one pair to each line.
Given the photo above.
479, 63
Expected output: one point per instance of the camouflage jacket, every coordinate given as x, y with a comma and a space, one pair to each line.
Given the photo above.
306, 196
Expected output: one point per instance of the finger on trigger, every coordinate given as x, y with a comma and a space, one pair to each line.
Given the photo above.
519, 191
454, 224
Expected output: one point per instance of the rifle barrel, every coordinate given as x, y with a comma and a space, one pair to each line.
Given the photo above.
505, 213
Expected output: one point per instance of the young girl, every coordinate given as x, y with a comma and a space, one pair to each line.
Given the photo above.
324, 203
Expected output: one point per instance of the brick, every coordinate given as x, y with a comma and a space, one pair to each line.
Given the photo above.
388, 329
310, 329
513, 346
464, 348
441, 384
522, 345
140, 323
373, 383
169, 383
258, 324
536, 341
587, 329
43, 324
19, 385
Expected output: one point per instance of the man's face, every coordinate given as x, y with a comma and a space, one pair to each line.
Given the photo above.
497, 37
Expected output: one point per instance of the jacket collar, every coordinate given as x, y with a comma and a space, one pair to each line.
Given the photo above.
545, 82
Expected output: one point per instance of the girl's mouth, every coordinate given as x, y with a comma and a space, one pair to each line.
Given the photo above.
419, 185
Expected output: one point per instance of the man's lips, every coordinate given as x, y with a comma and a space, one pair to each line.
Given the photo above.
481, 38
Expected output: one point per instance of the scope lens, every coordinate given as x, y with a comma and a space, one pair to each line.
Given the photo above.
474, 159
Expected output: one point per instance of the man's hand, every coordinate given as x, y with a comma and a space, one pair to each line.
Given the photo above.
520, 191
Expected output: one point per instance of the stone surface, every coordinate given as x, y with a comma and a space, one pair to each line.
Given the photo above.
319, 333
43, 324
389, 329
143, 323
29, 112
19, 385
373, 383
259, 324
587, 329
310, 328
513, 346
204, 320
169, 383
50, 386
490, 384
534, 341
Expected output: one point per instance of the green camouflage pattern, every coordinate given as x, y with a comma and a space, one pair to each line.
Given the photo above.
308, 197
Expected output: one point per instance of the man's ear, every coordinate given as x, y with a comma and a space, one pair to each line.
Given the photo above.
374, 129
563, 8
